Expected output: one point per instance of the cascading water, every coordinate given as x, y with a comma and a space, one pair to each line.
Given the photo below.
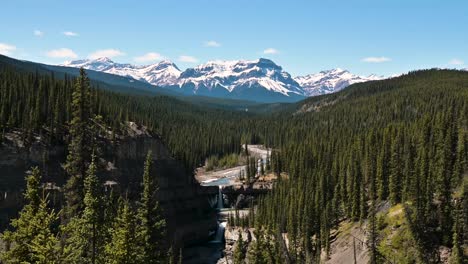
219, 236
220, 198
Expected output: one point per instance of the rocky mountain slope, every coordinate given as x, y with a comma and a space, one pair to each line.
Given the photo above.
331, 81
257, 80
163, 73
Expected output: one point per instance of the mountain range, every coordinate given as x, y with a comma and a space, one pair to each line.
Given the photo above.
259, 80
331, 81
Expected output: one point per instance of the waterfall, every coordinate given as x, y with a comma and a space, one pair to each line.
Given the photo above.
219, 237
220, 198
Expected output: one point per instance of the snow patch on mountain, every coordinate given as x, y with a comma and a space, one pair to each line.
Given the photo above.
163, 73
231, 75
331, 81
259, 80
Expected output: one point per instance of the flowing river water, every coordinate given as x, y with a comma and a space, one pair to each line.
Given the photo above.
210, 252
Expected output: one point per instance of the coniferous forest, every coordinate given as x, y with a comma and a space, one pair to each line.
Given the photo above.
401, 142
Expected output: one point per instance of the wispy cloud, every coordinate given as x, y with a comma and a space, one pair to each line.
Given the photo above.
270, 51
150, 56
38, 33
71, 34
456, 62
185, 58
62, 53
212, 43
109, 53
6, 49
376, 59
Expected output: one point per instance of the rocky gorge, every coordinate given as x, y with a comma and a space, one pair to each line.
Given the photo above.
190, 216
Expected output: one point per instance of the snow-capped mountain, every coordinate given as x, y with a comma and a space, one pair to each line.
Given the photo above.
330, 81
163, 73
256, 80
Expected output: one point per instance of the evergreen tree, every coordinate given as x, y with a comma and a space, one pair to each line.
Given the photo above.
84, 233
123, 245
45, 245
151, 231
268, 162
248, 168
372, 226
457, 252
32, 240
258, 250
395, 171
79, 147
91, 214
239, 251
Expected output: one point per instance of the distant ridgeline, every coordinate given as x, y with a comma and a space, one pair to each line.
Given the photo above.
402, 140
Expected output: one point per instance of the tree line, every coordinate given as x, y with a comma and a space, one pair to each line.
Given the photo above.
94, 226
402, 140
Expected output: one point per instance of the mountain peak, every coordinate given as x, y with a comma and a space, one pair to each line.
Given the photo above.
239, 78
162, 73
331, 81
258, 79
103, 60
166, 62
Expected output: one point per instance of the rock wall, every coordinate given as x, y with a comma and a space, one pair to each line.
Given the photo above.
186, 205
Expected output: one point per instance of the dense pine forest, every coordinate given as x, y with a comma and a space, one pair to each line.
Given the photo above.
402, 141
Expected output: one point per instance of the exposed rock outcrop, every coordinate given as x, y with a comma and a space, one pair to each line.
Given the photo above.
185, 203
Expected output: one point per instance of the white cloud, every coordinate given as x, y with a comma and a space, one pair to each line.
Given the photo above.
109, 53
71, 34
376, 59
6, 49
456, 62
150, 56
212, 43
270, 51
62, 53
38, 33
185, 58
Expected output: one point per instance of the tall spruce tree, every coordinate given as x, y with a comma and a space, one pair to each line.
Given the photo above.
32, 240
79, 151
92, 211
123, 245
151, 223
84, 234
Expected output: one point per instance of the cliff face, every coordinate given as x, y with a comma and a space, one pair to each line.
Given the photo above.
186, 205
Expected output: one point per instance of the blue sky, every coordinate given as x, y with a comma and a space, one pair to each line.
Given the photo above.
382, 37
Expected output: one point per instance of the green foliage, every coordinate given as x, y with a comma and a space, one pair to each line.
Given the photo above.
78, 149
84, 233
408, 135
227, 161
32, 240
151, 223
123, 245
92, 211
259, 250
239, 250
399, 242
